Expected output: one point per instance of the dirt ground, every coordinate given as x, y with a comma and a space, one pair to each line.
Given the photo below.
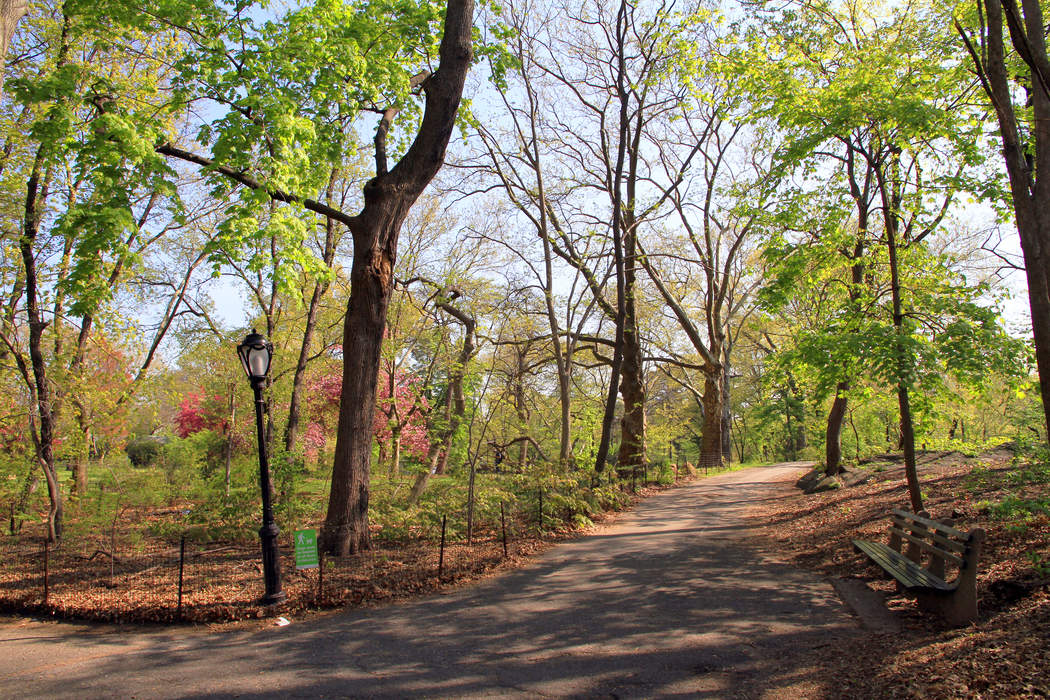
1005, 654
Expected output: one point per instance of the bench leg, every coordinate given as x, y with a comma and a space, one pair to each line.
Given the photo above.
958, 608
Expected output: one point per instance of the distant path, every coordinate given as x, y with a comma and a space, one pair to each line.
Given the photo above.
668, 601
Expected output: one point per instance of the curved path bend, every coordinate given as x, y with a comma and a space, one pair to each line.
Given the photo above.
669, 601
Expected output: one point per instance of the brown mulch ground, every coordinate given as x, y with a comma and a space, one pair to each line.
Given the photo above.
1005, 654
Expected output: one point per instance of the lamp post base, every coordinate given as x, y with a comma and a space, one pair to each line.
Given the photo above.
273, 598
271, 562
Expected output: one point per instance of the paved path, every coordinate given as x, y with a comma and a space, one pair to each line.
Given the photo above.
669, 601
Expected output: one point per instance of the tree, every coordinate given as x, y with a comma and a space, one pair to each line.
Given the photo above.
97, 201
596, 120
1018, 86
283, 117
834, 83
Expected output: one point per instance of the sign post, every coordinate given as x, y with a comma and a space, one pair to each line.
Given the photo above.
306, 549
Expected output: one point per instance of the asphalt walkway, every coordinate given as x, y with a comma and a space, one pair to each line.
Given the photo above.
670, 601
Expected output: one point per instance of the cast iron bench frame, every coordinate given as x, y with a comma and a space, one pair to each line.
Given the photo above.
913, 536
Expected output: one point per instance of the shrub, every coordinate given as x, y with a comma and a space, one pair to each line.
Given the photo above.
142, 451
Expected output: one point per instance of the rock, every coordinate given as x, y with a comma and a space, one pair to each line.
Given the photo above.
810, 479
828, 483
858, 478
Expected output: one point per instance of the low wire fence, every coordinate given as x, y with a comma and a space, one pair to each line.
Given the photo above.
195, 581
131, 578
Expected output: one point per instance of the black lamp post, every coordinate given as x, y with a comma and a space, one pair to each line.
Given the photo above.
255, 353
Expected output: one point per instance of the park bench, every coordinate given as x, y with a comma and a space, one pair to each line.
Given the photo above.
915, 539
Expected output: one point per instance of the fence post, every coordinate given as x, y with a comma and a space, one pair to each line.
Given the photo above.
320, 579
441, 556
47, 558
503, 526
541, 511
182, 564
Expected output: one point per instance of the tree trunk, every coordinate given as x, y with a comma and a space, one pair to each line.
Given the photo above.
520, 408
455, 405
833, 436
617, 229
632, 425
35, 195
727, 416
383, 449
388, 198
291, 428
562, 360
80, 472
632, 388
711, 441
371, 279
29, 487
231, 412
905, 364
11, 11
395, 453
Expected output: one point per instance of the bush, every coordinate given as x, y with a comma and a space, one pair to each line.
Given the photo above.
142, 451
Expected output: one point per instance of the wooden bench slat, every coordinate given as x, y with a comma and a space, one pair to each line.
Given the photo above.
946, 542
908, 573
931, 524
927, 547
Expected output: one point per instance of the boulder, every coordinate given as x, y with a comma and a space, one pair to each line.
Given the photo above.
810, 479
828, 483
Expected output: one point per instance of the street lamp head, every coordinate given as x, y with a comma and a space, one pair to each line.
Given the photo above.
255, 353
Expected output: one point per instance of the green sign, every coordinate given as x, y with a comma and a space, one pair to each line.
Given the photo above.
306, 549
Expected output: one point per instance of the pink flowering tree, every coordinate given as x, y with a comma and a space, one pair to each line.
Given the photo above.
400, 425
199, 412
323, 391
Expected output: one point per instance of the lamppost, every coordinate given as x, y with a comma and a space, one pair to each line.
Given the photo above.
255, 353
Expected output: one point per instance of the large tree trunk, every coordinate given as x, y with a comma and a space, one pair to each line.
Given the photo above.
11, 11
624, 98
388, 198
371, 279
632, 383
711, 441
833, 440
632, 426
